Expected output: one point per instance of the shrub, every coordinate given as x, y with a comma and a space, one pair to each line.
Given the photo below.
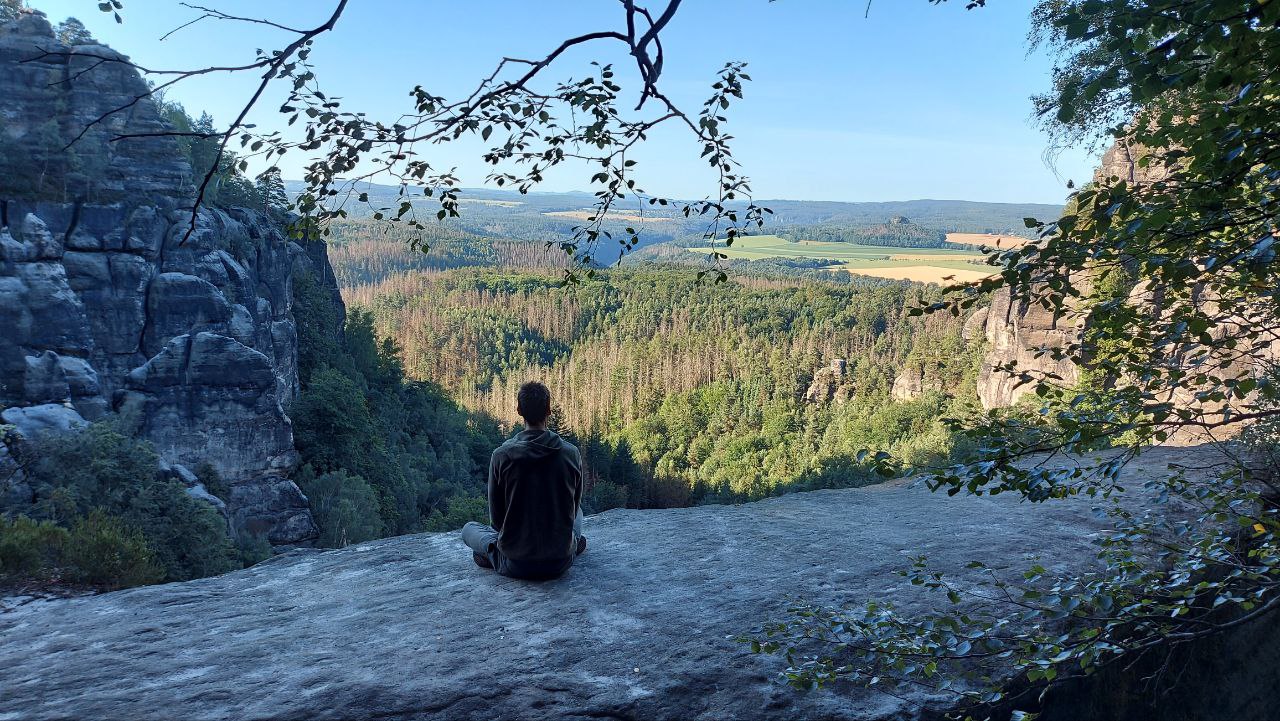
188, 537
212, 480
603, 496
930, 449
101, 470
345, 507
29, 547
102, 550
253, 549
98, 467
663, 492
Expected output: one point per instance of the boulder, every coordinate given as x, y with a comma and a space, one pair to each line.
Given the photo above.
31, 422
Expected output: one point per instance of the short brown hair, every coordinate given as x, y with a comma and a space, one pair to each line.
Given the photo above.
533, 402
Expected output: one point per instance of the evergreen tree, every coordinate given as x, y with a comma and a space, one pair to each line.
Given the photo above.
271, 192
73, 32
558, 423
11, 9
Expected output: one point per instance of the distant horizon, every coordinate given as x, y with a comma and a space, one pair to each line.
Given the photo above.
516, 193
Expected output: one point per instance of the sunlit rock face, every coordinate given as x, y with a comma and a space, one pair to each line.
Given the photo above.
830, 384
112, 303
913, 381
1021, 338
1124, 160
1023, 335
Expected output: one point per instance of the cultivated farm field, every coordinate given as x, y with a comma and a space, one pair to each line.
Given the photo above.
1003, 242
925, 265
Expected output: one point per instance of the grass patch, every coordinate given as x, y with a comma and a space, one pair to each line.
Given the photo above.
926, 265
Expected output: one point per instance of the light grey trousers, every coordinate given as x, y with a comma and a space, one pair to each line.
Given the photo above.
481, 538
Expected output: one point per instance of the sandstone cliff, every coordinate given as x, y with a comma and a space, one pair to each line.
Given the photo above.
912, 382
640, 628
1023, 335
831, 384
107, 308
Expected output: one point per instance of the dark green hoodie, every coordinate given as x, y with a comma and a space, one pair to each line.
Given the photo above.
535, 488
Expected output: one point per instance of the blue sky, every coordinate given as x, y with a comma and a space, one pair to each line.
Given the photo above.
914, 101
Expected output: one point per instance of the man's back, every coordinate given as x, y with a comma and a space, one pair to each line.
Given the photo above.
535, 489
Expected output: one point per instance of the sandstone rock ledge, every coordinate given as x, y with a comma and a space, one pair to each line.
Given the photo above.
409, 628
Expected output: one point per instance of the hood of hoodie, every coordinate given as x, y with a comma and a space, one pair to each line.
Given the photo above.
533, 444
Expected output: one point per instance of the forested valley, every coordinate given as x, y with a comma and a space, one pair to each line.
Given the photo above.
677, 391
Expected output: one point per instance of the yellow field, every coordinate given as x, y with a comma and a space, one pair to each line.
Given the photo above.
624, 217
918, 273
923, 265
922, 257
995, 241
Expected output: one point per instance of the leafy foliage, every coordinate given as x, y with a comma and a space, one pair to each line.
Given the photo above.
29, 548
73, 32
127, 523
1172, 263
198, 142
345, 507
102, 550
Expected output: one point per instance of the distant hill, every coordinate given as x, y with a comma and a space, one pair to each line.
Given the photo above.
956, 216
550, 216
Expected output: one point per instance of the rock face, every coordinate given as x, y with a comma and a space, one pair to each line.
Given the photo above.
913, 382
106, 306
410, 628
1021, 336
50, 89
1122, 161
1020, 333
830, 384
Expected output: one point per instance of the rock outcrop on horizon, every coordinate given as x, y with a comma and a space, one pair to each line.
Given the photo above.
108, 306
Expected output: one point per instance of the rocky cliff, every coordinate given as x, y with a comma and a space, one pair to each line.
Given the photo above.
108, 307
640, 628
831, 384
1023, 335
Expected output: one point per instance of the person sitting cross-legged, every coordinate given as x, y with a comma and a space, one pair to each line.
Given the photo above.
535, 499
